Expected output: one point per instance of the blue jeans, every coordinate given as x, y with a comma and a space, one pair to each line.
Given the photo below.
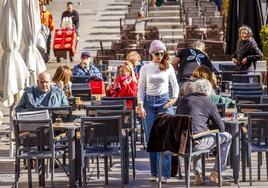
154, 105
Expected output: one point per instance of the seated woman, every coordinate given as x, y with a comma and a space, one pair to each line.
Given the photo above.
62, 79
203, 72
125, 84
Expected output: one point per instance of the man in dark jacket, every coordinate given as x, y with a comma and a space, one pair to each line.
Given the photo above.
71, 13
202, 110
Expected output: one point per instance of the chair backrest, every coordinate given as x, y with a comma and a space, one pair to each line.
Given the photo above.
221, 109
64, 112
246, 78
133, 99
234, 93
264, 99
258, 129
82, 90
108, 102
101, 130
127, 116
80, 79
246, 108
33, 129
246, 99
91, 110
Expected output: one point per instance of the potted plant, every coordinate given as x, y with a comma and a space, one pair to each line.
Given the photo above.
264, 40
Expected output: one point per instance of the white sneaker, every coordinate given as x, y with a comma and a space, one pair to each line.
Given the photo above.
163, 179
153, 178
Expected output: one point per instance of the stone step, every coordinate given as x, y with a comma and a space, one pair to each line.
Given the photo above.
165, 25
174, 19
172, 3
165, 7
171, 31
171, 40
164, 13
170, 45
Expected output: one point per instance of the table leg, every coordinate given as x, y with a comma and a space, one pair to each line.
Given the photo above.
72, 159
236, 152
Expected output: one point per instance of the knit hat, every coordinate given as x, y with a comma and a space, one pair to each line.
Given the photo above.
156, 45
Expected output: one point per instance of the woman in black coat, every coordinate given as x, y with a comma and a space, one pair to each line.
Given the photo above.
247, 51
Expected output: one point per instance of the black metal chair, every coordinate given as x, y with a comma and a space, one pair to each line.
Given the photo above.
80, 79
102, 136
34, 140
108, 102
257, 139
245, 109
221, 109
246, 99
91, 110
264, 99
128, 125
246, 78
63, 112
82, 90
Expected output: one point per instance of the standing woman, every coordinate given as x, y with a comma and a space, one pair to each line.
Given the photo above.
247, 51
62, 78
153, 98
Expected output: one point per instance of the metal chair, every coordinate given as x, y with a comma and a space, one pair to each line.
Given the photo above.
80, 79
221, 109
264, 99
257, 139
246, 99
97, 134
82, 90
34, 140
64, 112
91, 110
246, 78
245, 109
128, 125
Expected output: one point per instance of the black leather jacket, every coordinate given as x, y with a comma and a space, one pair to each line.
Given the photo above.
247, 49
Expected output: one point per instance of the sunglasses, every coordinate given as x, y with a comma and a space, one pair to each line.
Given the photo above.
159, 54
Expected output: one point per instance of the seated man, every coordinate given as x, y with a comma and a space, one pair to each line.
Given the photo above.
86, 68
201, 109
42, 95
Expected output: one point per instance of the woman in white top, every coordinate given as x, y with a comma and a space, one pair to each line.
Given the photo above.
153, 98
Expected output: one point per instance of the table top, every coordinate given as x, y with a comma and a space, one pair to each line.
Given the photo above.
65, 125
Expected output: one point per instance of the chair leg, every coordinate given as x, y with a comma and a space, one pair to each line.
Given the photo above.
188, 169
219, 160
52, 171
160, 170
266, 153
179, 167
259, 165
29, 173
111, 161
98, 167
243, 160
17, 172
133, 155
47, 169
204, 167
106, 169
84, 172
250, 170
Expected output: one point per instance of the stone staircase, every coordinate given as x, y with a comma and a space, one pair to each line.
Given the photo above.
167, 19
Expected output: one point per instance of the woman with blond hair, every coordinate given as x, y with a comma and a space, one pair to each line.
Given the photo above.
135, 58
62, 78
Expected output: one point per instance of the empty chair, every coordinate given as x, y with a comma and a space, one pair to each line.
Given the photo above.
215, 21
97, 134
63, 112
82, 90
264, 99
246, 78
257, 140
128, 125
246, 99
91, 110
108, 102
80, 79
34, 140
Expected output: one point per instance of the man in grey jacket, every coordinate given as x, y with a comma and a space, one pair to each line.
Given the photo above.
42, 95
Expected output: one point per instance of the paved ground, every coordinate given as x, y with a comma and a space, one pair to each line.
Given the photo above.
99, 20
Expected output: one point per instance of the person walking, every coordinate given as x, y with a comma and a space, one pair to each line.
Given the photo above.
153, 98
47, 20
73, 14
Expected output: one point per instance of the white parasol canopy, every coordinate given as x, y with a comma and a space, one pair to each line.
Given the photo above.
13, 71
31, 29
